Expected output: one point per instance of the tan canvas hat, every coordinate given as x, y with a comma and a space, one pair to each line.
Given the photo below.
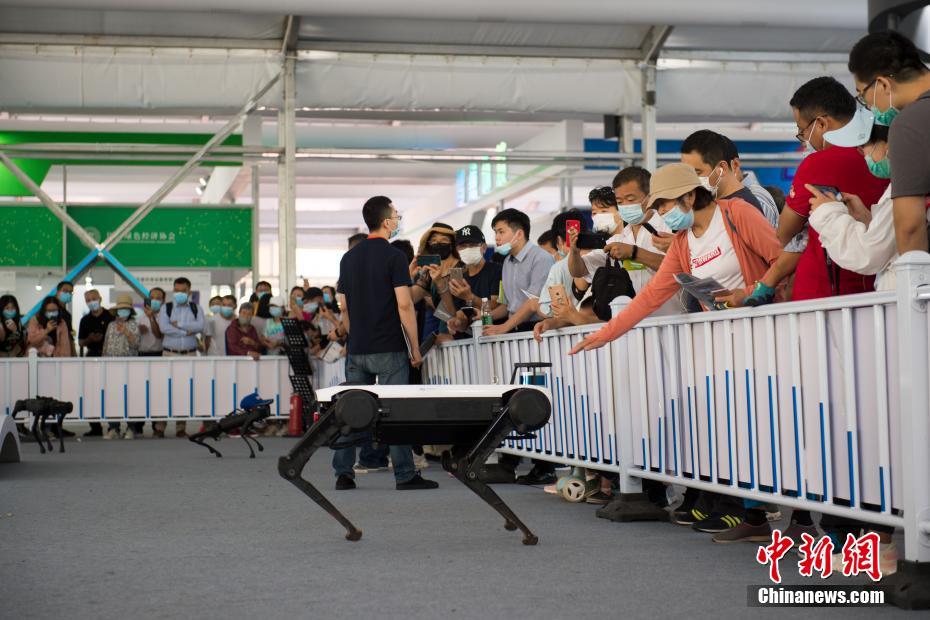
671, 181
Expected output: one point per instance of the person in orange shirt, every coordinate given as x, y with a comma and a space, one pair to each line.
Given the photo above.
728, 240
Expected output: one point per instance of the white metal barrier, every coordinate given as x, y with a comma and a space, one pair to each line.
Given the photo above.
820, 405
154, 388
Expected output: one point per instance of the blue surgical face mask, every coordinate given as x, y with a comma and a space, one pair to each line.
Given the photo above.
51, 315
64, 297
632, 214
275, 311
880, 169
327, 298
678, 219
216, 309
180, 298
504, 249
156, 305
299, 301
227, 312
9, 314
313, 306
93, 306
123, 313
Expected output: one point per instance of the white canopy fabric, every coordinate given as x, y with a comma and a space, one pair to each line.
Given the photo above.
520, 56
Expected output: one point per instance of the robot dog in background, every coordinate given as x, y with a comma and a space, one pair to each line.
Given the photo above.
252, 411
42, 408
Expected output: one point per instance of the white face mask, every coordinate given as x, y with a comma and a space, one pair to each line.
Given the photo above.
604, 223
471, 256
706, 184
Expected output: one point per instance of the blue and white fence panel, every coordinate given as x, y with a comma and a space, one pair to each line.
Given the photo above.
154, 388
790, 403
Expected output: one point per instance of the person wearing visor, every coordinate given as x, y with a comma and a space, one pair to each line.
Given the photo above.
728, 240
831, 126
894, 83
856, 237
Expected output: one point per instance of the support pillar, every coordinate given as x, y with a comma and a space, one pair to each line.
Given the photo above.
252, 136
287, 183
910, 586
649, 141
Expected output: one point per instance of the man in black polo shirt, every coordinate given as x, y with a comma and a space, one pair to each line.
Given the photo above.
374, 293
92, 329
481, 279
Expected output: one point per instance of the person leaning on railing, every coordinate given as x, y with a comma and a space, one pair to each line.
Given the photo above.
728, 240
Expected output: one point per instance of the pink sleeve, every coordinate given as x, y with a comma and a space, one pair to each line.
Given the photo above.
660, 289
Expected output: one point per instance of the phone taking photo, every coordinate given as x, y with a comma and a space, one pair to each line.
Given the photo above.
571, 225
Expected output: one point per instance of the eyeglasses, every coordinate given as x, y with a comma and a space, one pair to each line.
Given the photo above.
860, 96
396, 216
800, 135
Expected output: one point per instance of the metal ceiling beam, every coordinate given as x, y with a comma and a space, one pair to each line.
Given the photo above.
53, 206
88, 40
653, 43
182, 172
291, 34
431, 49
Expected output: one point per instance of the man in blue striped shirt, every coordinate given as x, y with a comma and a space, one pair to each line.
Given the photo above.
179, 321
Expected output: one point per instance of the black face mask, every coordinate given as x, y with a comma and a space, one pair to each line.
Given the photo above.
443, 250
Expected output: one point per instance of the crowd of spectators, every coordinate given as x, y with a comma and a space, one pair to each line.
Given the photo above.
168, 326
857, 200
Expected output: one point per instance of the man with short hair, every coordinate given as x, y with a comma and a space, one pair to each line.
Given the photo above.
223, 311
715, 159
377, 309
526, 267
180, 321
824, 110
357, 238
240, 337
91, 332
894, 83
547, 242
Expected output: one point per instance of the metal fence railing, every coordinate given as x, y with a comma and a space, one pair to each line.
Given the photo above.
820, 405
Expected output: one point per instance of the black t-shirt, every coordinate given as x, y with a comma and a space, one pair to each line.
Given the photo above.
746, 194
91, 324
484, 284
368, 275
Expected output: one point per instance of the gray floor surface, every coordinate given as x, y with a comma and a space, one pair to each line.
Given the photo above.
161, 529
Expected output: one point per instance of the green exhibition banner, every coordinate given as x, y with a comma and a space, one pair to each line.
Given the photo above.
30, 237
197, 237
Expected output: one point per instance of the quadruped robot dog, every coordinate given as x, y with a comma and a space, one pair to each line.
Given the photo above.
474, 419
252, 411
42, 408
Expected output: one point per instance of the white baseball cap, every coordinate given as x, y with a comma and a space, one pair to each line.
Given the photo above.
277, 300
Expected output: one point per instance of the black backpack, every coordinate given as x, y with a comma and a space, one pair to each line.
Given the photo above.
169, 307
609, 282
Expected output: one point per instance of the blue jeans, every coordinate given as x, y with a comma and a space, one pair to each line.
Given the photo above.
387, 369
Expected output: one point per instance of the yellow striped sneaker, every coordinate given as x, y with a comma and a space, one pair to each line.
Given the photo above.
717, 522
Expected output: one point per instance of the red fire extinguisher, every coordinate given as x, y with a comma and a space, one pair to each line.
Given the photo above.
295, 421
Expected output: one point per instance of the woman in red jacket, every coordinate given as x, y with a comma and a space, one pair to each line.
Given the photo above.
727, 240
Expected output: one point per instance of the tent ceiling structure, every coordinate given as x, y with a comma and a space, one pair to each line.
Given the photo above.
419, 56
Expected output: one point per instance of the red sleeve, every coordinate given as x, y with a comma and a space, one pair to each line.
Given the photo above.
233, 336
798, 199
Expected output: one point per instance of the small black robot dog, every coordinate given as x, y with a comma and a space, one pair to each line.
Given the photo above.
42, 408
252, 410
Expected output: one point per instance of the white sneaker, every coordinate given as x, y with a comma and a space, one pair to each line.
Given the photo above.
111, 434
420, 462
129, 434
888, 558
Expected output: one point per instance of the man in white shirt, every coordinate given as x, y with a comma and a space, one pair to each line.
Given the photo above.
214, 329
640, 245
